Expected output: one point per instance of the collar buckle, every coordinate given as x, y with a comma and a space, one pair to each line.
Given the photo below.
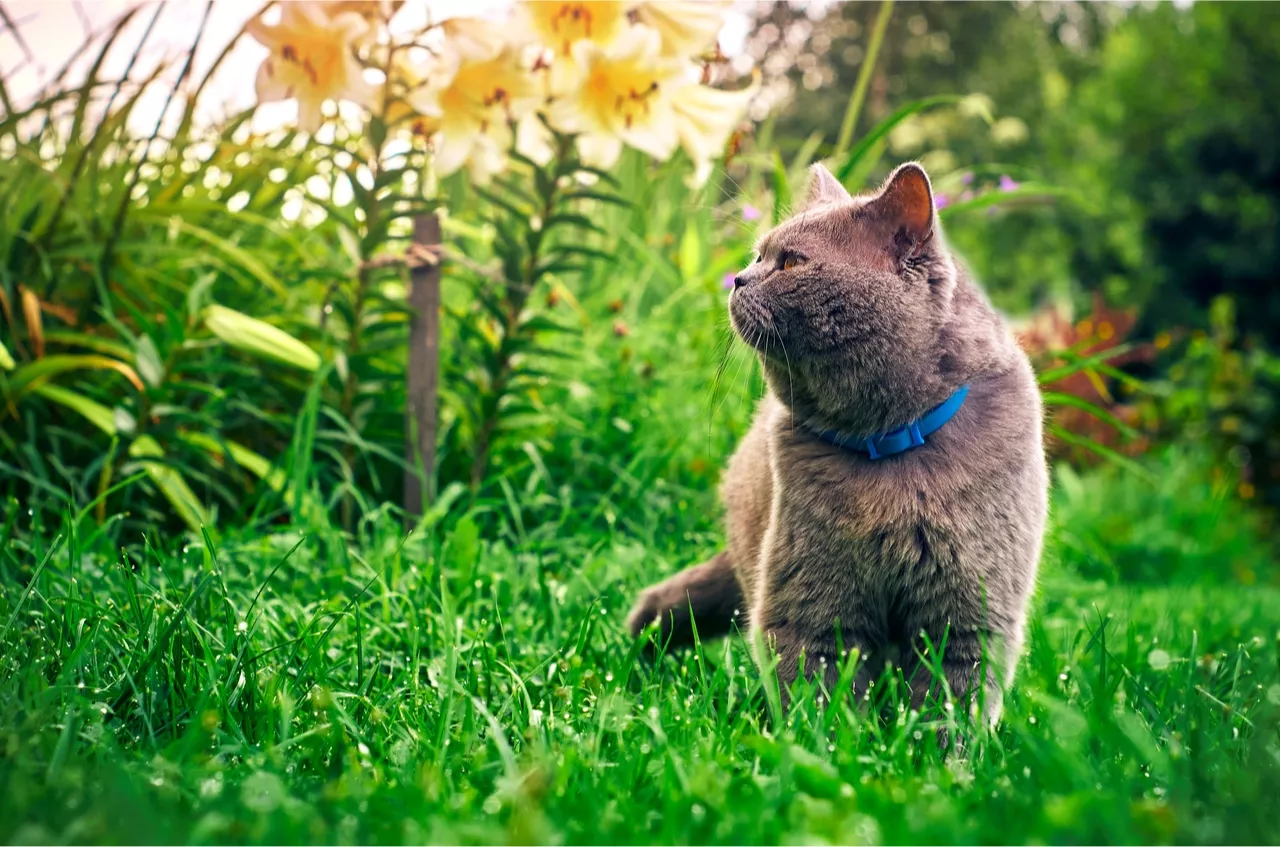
906, 437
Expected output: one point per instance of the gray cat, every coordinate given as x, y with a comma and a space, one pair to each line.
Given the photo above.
893, 482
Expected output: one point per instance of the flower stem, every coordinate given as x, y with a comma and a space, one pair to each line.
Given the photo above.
350, 383
517, 295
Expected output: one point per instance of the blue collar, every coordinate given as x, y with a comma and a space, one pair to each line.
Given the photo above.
903, 438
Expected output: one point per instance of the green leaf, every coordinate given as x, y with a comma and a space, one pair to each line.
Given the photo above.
1077, 365
504, 204
781, 189
6, 360
147, 359
452, 226
236, 254
861, 159
560, 266
603, 197
105, 346
198, 294
259, 338
1024, 195
812, 774
692, 256
170, 482
544, 323
461, 552
584, 252
92, 411
32, 374
255, 463
571, 219
1058, 398
1102, 450
166, 478
804, 156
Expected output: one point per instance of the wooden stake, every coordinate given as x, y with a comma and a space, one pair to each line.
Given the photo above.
424, 369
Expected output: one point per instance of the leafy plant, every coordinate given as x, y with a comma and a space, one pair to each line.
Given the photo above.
1220, 390
542, 237
1085, 387
113, 250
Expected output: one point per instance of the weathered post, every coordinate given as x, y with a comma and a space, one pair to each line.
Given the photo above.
424, 366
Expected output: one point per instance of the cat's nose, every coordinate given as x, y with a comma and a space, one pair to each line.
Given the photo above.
739, 281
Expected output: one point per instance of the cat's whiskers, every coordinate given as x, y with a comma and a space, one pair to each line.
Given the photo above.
764, 354
726, 351
738, 220
791, 383
734, 196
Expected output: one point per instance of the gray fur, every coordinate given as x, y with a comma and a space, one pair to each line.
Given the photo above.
874, 326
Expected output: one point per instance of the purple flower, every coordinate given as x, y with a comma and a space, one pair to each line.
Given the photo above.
1007, 183
966, 178
727, 282
750, 213
941, 201
966, 196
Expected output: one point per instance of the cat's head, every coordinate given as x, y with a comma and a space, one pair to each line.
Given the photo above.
846, 299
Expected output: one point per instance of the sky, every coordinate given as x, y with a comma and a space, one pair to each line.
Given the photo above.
53, 30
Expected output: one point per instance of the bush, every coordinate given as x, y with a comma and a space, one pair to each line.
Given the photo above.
1224, 393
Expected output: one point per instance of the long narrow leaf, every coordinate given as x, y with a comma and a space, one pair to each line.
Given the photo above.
91, 410
236, 254
854, 163
1076, 365
1101, 450
1024, 195
255, 463
170, 482
36, 373
1058, 398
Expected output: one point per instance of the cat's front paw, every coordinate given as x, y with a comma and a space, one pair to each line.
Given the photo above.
651, 607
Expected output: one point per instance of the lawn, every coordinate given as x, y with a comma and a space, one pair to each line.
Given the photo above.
215, 624
305, 686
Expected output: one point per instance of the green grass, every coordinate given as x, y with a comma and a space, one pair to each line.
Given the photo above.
442, 687
282, 679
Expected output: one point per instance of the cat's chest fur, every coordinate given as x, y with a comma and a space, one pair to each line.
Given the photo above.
895, 545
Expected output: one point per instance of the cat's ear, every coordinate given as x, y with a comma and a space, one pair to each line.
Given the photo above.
905, 203
824, 188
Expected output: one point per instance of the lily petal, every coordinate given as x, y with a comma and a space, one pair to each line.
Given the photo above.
599, 151
687, 28
706, 118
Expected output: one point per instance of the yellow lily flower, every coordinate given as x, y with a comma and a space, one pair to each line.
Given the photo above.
370, 10
406, 105
624, 97
419, 84
687, 27
705, 120
311, 60
476, 38
561, 25
478, 101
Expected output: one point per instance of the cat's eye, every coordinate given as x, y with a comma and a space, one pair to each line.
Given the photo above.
790, 260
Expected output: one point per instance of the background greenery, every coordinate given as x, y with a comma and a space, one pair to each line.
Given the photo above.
215, 627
